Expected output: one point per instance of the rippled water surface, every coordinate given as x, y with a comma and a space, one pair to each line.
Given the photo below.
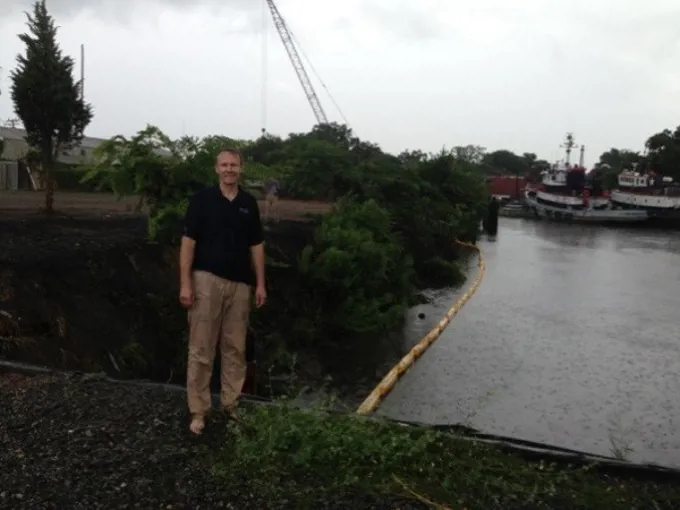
572, 339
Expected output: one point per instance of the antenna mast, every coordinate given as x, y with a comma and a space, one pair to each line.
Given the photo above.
568, 144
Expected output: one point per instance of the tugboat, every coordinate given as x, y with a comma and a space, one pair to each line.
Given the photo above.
659, 196
567, 194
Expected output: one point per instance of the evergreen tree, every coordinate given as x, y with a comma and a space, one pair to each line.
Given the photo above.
46, 97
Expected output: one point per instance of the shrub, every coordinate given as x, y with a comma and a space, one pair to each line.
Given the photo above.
356, 270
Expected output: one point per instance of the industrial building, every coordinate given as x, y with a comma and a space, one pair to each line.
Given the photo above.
13, 172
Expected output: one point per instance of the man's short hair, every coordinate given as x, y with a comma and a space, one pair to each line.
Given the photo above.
233, 151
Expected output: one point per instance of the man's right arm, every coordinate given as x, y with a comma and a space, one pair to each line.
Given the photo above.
186, 260
188, 245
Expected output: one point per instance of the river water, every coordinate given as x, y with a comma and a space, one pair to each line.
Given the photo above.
572, 339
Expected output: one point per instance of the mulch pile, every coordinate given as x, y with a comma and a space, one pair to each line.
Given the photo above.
83, 443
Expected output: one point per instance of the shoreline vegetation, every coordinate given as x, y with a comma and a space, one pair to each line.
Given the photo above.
339, 281
112, 445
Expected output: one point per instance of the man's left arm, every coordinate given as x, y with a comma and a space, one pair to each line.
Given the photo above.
257, 254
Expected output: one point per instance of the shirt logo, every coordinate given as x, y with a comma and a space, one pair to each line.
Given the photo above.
243, 210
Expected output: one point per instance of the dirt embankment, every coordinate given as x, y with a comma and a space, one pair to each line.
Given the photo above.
78, 203
87, 294
84, 290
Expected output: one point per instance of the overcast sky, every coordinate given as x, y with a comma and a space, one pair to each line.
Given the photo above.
419, 74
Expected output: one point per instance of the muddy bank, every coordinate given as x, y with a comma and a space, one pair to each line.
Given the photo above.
87, 292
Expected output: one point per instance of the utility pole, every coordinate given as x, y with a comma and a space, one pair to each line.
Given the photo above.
82, 72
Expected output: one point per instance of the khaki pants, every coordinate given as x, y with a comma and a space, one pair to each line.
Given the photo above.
220, 313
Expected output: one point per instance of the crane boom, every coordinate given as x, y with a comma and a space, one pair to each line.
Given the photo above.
302, 75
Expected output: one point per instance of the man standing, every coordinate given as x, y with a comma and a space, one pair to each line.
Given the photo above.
223, 241
272, 187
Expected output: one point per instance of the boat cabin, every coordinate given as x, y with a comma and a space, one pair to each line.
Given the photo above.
628, 179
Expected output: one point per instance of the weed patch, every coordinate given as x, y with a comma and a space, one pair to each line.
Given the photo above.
284, 452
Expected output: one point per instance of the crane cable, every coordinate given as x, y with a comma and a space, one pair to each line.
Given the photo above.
265, 56
265, 76
311, 66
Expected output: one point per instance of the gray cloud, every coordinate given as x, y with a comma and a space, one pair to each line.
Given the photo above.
625, 29
407, 73
123, 10
405, 20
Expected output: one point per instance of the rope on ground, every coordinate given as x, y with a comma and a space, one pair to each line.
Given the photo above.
419, 497
390, 380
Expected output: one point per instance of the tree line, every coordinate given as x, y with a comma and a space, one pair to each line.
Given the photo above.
661, 154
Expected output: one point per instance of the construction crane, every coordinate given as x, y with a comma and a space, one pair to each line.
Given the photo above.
295, 59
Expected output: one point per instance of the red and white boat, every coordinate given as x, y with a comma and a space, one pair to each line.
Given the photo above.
659, 196
565, 193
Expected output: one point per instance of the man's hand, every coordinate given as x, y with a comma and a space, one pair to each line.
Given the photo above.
260, 296
186, 296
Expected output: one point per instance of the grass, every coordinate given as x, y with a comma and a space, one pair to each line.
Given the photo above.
281, 452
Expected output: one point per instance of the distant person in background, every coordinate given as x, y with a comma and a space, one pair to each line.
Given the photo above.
491, 226
272, 187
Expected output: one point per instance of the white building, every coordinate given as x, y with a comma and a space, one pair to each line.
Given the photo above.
15, 147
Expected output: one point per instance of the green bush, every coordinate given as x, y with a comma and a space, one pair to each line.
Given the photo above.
165, 225
432, 200
356, 271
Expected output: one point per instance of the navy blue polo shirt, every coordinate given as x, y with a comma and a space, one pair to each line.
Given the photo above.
224, 231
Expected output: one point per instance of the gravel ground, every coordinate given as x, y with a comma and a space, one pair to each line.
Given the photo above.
82, 443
